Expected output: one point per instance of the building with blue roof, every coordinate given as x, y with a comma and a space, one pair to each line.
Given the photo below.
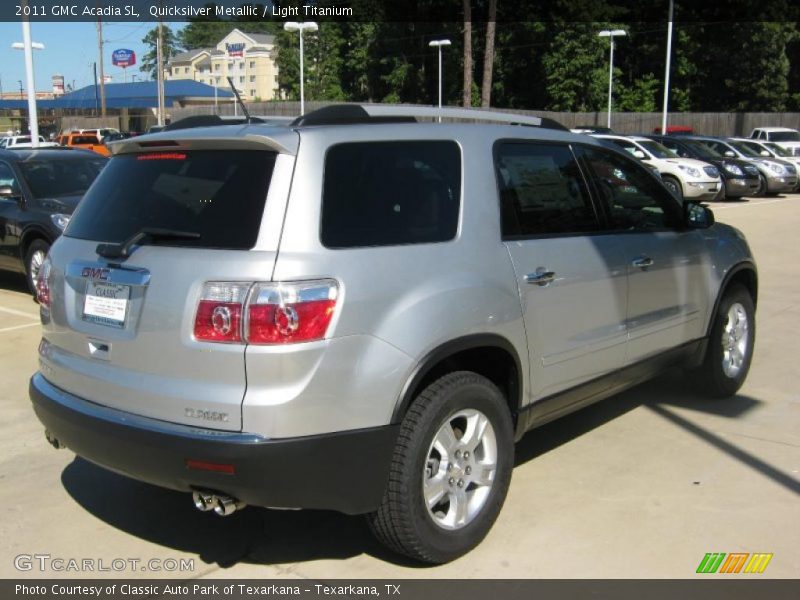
134, 103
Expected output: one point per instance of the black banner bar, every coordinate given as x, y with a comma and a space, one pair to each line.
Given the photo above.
719, 588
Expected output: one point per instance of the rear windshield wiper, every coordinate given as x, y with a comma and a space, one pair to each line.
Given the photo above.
153, 234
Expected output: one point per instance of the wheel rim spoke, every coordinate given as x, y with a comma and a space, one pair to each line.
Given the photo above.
460, 469
735, 340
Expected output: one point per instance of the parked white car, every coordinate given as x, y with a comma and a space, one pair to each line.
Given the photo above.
685, 177
24, 141
783, 136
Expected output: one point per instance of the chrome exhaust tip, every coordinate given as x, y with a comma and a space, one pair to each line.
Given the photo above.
225, 505
203, 501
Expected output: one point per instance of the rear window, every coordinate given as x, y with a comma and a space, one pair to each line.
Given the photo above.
219, 195
390, 193
85, 139
62, 177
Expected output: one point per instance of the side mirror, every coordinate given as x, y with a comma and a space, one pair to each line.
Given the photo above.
730, 154
8, 192
764, 153
697, 216
639, 154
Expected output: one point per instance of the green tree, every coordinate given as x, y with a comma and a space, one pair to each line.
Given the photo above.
640, 96
576, 68
170, 47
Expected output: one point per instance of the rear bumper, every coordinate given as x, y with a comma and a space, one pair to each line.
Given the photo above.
344, 471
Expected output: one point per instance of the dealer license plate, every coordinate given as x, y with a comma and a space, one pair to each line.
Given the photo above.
106, 303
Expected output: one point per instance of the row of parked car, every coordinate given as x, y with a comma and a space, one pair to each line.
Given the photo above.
711, 168
95, 140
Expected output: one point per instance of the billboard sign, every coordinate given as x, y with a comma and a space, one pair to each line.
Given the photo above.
123, 58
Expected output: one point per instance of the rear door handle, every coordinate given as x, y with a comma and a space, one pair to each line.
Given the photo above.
540, 277
642, 262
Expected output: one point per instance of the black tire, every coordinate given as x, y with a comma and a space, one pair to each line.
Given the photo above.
403, 522
762, 187
711, 377
37, 250
673, 185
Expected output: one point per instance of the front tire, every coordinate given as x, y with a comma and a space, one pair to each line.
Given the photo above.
730, 349
673, 185
34, 259
450, 471
762, 187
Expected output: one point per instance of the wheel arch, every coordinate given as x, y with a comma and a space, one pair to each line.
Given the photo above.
743, 273
490, 355
28, 236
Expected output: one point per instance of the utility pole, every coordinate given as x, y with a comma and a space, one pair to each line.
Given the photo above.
666, 72
102, 75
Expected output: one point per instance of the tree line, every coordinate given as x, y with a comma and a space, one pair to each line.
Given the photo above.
555, 63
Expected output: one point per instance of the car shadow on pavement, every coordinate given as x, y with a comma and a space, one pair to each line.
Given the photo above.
254, 535
13, 282
269, 537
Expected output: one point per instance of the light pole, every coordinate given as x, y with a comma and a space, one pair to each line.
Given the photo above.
611, 34
300, 27
666, 72
28, 46
438, 44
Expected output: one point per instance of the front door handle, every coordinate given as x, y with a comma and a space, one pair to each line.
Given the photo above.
541, 277
642, 262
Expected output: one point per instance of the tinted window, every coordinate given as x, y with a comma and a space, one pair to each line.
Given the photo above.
62, 177
632, 198
388, 193
542, 191
219, 195
784, 136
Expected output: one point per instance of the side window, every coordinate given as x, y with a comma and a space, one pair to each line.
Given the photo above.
679, 150
717, 146
390, 193
542, 191
629, 147
7, 177
631, 197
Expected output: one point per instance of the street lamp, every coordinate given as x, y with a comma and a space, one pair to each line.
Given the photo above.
438, 44
301, 27
28, 46
611, 34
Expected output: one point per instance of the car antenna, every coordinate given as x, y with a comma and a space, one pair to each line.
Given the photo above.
239, 99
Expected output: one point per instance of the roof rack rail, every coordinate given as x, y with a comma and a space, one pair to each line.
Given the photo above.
464, 113
351, 114
347, 114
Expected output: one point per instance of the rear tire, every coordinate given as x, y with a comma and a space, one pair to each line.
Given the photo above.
34, 258
450, 471
730, 347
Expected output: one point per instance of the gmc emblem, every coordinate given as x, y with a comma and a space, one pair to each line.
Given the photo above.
95, 273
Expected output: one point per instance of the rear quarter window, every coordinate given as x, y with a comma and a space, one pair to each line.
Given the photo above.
390, 193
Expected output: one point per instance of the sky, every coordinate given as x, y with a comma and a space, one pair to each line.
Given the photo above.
70, 50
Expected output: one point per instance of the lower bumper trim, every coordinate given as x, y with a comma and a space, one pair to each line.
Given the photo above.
344, 471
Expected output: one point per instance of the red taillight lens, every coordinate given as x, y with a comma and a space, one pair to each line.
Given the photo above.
219, 313
288, 313
43, 284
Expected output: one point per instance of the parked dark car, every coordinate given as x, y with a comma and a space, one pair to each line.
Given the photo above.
739, 176
39, 189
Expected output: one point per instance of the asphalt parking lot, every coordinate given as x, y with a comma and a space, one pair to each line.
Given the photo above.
642, 485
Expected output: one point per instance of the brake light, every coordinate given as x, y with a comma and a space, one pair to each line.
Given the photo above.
286, 313
219, 312
162, 156
43, 284
277, 313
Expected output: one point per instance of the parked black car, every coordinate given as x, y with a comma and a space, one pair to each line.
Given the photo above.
740, 176
39, 189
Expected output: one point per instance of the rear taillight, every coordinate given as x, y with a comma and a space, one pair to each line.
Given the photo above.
219, 313
276, 313
286, 313
43, 284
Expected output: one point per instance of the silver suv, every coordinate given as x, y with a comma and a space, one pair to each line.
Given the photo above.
364, 313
